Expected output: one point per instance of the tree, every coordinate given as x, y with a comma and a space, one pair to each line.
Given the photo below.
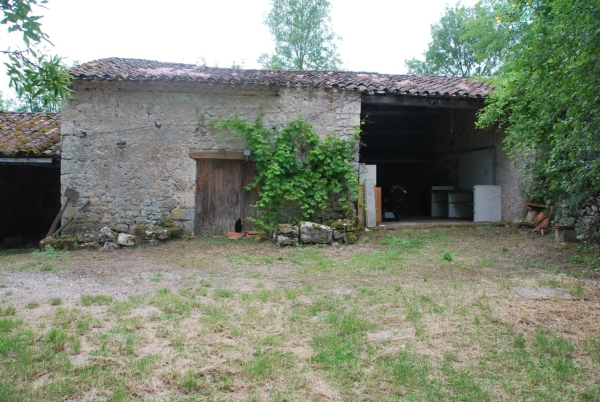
467, 41
303, 37
547, 101
40, 78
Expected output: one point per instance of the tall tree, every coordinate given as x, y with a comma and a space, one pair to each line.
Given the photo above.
547, 100
467, 41
41, 78
303, 36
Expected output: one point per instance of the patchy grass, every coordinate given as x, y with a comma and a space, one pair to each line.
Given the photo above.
412, 314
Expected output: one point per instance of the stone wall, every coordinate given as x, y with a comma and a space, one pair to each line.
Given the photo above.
126, 145
456, 133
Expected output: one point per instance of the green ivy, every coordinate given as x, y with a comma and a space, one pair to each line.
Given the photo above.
294, 166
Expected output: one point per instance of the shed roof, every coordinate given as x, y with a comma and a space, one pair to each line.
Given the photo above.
29, 133
117, 69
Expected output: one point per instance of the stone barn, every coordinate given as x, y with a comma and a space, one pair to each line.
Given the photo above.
29, 176
138, 144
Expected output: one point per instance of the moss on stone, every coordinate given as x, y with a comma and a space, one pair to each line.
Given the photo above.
61, 243
352, 238
175, 232
140, 230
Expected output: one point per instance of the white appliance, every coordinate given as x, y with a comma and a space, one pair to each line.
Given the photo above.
487, 202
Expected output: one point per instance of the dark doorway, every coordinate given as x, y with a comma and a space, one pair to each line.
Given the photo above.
29, 202
221, 195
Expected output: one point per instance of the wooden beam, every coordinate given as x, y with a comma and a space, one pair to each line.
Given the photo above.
218, 154
412, 112
374, 133
403, 100
375, 161
27, 161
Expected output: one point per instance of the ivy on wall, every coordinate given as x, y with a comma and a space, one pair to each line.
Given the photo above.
295, 166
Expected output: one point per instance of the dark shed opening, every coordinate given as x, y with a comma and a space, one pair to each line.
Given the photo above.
415, 143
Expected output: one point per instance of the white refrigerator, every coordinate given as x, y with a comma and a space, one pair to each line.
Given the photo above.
487, 203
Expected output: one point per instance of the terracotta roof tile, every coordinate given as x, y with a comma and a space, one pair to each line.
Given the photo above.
116, 69
29, 133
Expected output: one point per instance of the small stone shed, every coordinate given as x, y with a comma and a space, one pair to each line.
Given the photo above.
138, 143
29, 175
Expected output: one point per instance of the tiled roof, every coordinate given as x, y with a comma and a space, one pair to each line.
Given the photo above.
116, 69
29, 133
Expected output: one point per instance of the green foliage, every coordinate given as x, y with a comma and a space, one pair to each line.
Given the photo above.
303, 37
467, 41
447, 256
39, 79
295, 166
547, 100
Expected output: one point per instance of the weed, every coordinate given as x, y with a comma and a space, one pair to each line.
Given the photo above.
55, 301
223, 293
447, 256
98, 300
8, 311
32, 305
157, 277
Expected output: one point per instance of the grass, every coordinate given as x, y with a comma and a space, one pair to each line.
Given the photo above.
410, 315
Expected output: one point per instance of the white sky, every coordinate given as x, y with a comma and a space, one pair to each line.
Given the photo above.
378, 35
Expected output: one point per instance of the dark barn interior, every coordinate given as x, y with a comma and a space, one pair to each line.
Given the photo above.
30, 199
415, 145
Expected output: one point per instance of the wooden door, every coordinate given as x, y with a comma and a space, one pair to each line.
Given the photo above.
221, 196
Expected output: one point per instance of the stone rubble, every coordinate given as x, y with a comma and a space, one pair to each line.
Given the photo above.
341, 231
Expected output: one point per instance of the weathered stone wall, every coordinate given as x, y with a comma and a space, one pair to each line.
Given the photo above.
126, 144
456, 133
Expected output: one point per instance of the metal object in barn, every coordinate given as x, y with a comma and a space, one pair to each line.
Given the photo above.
72, 195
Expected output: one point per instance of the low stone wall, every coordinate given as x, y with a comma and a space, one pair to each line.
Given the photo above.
340, 232
108, 240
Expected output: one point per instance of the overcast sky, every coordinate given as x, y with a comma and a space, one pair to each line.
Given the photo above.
377, 35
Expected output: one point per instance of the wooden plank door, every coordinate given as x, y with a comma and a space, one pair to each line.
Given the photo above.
221, 197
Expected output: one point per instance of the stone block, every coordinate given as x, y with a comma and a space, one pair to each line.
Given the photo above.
125, 239
86, 237
110, 246
182, 214
315, 233
281, 240
89, 246
170, 204
105, 235
288, 230
121, 228
189, 200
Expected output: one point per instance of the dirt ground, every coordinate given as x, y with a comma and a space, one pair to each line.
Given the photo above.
28, 276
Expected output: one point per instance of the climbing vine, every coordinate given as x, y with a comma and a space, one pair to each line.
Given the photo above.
295, 166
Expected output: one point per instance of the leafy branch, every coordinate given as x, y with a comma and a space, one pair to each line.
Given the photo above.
43, 79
